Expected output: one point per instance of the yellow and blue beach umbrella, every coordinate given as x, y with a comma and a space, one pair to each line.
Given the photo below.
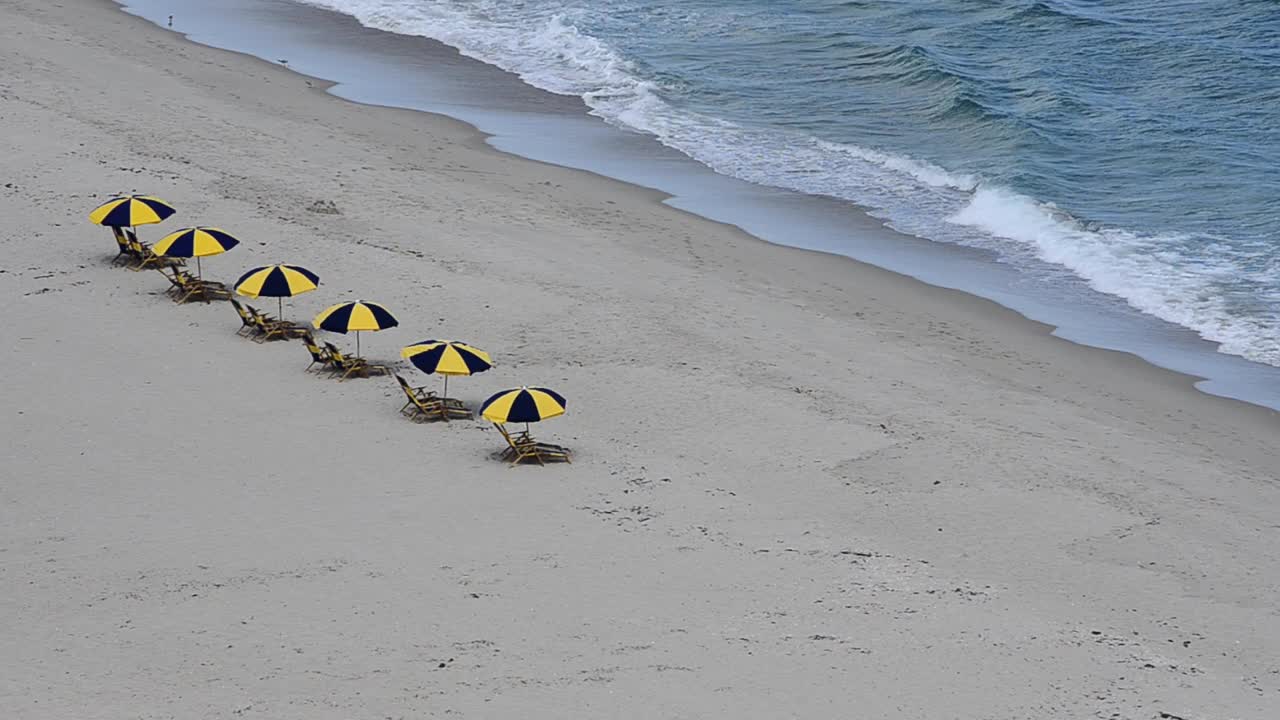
277, 281
357, 317
447, 358
524, 405
131, 211
196, 242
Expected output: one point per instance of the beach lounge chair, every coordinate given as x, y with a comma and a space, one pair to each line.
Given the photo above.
268, 328
176, 283
349, 366
521, 447
184, 287
247, 325
138, 251
319, 356
421, 402
335, 361
203, 290
256, 318
179, 285
126, 253
277, 330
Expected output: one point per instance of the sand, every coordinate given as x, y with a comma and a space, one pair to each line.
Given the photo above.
803, 487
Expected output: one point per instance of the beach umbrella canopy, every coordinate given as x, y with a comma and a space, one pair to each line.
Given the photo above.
356, 316
524, 405
131, 211
277, 281
447, 358
196, 242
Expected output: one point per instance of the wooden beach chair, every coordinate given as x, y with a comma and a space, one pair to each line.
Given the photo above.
421, 403
176, 283
184, 287
319, 356
247, 326
139, 252
276, 329
522, 447
424, 404
334, 366
349, 366
268, 328
126, 253
196, 289
256, 319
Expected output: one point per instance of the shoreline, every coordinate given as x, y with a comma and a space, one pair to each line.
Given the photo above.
940, 293
789, 471
519, 119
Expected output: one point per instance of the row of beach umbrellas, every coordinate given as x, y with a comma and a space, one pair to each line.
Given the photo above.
440, 357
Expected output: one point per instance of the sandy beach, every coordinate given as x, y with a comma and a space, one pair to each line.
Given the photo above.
803, 487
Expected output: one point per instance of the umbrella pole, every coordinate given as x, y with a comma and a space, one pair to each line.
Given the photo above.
199, 273
357, 343
280, 308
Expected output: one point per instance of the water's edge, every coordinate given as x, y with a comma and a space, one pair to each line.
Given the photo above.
379, 68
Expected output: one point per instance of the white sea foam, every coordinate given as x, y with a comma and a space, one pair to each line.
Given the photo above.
547, 50
1144, 270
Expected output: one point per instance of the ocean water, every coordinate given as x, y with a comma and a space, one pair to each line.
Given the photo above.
1133, 145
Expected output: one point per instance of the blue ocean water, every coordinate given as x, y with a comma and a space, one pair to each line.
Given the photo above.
1131, 144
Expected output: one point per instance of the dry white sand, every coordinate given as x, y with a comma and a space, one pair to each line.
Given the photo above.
804, 487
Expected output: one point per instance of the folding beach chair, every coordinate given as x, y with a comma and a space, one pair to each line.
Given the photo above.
271, 329
522, 447
319, 356
126, 252
247, 325
184, 287
350, 366
420, 401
